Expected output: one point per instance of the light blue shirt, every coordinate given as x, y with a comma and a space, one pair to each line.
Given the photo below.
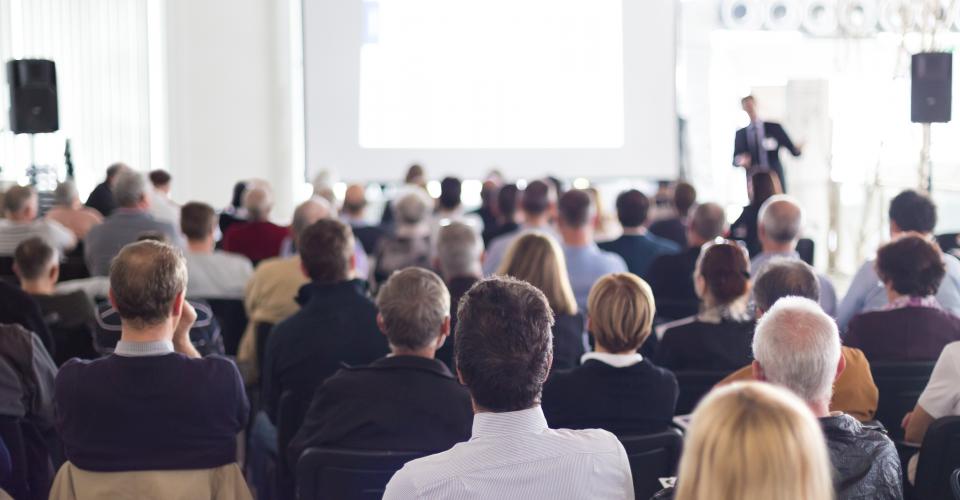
587, 264
828, 294
867, 293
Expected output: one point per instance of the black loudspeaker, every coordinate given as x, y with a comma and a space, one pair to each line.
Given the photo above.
930, 90
33, 96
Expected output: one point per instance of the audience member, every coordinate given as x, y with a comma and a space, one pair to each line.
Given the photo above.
537, 259
415, 177
752, 441
586, 262
615, 388
204, 334
459, 251
637, 246
406, 401
941, 398
671, 276
913, 326
70, 316
765, 185
537, 204
154, 404
854, 392
21, 207
797, 346
487, 211
323, 186
719, 337
234, 212
213, 274
257, 238
354, 213
503, 357
506, 210
162, 207
130, 220
70, 213
101, 198
337, 323
450, 206
17, 308
675, 228
409, 245
779, 224
910, 211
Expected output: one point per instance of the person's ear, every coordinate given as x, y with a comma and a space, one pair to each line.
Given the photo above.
303, 268
587, 326
699, 285
16, 271
381, 324
353, 261
460, 377
757, 371
841, 366
894, 228
111, 298
178, 304
54, 272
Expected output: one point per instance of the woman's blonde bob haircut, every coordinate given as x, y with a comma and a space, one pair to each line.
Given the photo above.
537, 259
754, 441
621, 312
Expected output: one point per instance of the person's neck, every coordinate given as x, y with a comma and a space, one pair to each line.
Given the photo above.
820, 409
635, 231
426, 352
772, 247
20, 218
576, 237
603, 350
477, 409
150, 333
38, 287
205, 246
695, 242
893, 295
471, 274
542, 220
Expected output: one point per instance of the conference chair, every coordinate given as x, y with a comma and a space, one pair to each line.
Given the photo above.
31, 471
232, 316
900, 385
261, 334
332, 473
291, 411
652, 457
939, 461
73, 266
218, 483
955, 484
806, 249
6, 270
694, 385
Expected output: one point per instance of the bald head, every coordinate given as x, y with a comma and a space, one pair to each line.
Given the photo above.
258, 202
355, 200
709, 222
308, 212
779, 221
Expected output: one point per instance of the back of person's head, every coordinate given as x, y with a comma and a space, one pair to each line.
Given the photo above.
145, 278
458, 251
158, 236
412, 207
507, 200
754, 441
709, 221
415, 175
20, 200
784, 277
537, 198
65, 195
239, 190
911, 265
115, 169
326, 250
621, 309
450, 188
725, 269
504, 344
307, 213
414, 304
684, 197
537, 259
197, 220
130, 188
632, 208
913, 211
576, 209
258, 201
323, 186
160, 178
781, 218
33, 259
354, 200
765, 185
797, 346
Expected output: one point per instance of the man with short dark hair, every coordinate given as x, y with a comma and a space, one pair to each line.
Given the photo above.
161, 206
637, 246
101, 198
407, 401
506, 214
504, 352
20, 223
675, 228
213, 274
537, 205
910, 211
154, 404
586, 262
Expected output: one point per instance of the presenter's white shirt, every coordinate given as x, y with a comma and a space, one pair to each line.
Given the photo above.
514, 455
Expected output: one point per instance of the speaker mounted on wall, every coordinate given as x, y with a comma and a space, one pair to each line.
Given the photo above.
33, 96
931, 81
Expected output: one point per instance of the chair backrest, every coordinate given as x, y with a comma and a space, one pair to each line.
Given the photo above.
262, 333
939, 457
652, 457
955, 484
900, 385
218, 483
6, 270
232, 316
31, 470
806, 249
330, 473
290, 414
694, 385
948, 241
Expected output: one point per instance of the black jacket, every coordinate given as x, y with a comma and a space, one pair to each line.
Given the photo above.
692, 344
865, 461
771, 130
568, 341
745, 229
671, 279
101, 199
398, 403
18, 308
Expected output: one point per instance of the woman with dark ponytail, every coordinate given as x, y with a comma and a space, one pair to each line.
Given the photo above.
719, 337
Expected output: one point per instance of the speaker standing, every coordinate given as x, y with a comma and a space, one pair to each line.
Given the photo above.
756, 147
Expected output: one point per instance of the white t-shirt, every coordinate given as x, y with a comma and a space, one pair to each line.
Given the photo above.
941, 398
14, 233
219, 275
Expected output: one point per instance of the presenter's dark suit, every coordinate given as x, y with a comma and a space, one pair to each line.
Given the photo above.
749, 140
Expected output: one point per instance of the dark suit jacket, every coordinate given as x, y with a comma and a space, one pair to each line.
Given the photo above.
673, 229
639, 250
397, 403
692, 344
638, 399
568, 337
671, 278
337, 324
101, 199
743, 144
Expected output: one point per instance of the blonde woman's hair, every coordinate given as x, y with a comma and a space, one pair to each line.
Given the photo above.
537, 259
754, 441
621, 312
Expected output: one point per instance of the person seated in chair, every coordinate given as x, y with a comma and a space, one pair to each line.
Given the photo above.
407, 401
941, 398
615, 388
70, 212
213, 274
637, 246
20, 223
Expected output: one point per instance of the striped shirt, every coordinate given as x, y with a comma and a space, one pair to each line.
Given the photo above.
14, 233
514, 455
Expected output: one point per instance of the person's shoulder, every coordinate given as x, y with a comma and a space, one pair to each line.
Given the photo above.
614, 261
588, 440
657, 370
680, 325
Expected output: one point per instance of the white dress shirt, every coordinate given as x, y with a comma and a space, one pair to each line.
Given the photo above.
514, 455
